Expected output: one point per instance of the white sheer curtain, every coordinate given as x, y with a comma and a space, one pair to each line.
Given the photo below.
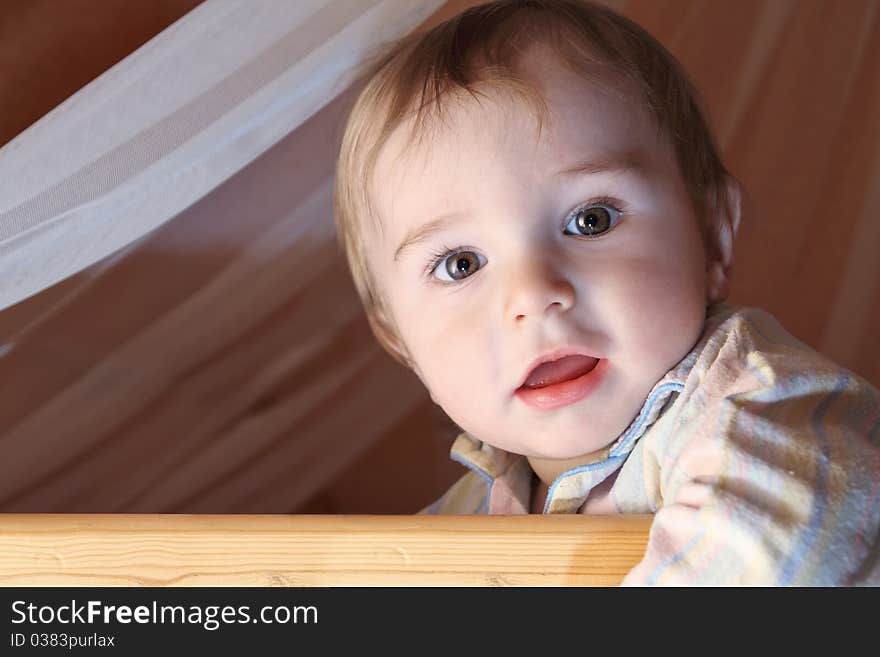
171, 122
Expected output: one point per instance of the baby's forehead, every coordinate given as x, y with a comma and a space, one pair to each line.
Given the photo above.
566, 121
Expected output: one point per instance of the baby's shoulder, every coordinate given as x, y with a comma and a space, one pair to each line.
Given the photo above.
753, 384
744, 345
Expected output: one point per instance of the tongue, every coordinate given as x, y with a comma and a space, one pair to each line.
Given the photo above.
564, 369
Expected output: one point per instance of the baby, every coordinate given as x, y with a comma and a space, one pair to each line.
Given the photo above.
539, 225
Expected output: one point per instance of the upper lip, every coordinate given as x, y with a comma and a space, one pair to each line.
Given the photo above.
556, 354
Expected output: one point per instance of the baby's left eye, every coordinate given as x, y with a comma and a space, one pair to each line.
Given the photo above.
592, 220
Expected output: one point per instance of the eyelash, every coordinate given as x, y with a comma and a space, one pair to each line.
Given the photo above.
438, 256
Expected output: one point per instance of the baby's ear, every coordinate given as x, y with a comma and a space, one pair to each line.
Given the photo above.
725, 217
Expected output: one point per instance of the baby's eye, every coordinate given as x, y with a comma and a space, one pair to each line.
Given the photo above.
592, 220
457, 265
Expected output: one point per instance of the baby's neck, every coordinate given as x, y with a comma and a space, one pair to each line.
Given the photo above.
549, 469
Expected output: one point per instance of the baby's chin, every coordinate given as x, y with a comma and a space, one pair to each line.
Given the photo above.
582, 447
571, 433
578, 454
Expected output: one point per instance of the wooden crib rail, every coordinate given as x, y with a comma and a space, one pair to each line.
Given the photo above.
318, 550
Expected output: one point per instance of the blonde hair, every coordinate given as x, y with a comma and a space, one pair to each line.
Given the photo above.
414, 76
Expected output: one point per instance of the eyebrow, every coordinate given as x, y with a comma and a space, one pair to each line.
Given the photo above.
625, 162
426, 230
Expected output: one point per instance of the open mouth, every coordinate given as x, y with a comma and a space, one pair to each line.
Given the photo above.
557, 371
562, 382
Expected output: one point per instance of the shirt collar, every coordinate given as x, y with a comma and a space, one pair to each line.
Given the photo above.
508, 476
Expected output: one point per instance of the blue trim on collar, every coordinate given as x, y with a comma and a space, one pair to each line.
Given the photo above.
646, 408
611, 460
617, 454
624, 447
485, 475
473, 466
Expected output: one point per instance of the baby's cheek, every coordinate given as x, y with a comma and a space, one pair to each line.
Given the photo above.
656, 311
661, 281
461, 395
440, 352
459, 371
625, 286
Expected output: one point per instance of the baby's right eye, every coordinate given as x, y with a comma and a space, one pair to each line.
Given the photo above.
453, 266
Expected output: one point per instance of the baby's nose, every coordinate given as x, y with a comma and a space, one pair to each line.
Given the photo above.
537, 290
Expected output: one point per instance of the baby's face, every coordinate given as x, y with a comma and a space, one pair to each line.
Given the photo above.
530, 263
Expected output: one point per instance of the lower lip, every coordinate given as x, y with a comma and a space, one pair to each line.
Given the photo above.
566, 392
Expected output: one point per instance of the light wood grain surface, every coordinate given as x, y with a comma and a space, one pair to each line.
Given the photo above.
318, 550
